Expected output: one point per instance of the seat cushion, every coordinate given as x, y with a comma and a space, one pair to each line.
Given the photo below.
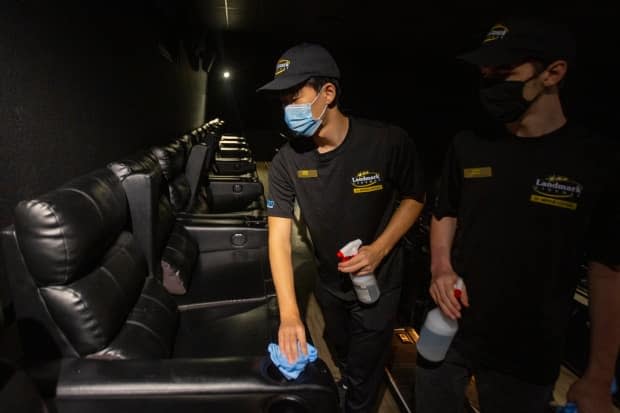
228, 330
83, 309
148, 332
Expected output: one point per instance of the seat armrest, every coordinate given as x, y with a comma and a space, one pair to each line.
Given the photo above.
222, 219
240, 384
226, 237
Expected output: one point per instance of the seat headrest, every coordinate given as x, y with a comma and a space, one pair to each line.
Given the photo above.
171, 159
62, 234
187, 141
141, 162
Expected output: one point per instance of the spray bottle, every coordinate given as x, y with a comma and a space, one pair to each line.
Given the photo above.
438, 331
365, 286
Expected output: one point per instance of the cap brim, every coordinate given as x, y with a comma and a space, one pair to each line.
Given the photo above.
492, 56
283, 83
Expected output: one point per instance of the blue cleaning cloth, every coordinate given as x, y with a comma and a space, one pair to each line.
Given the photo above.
291, 371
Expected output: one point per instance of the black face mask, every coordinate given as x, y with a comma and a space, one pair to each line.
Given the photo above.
503, 99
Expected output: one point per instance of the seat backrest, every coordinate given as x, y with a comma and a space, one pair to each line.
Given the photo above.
184, 175
172, 161
149, 203
187, 141
78, 279
163, 242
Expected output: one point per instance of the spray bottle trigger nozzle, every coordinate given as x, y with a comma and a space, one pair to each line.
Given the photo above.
458, 288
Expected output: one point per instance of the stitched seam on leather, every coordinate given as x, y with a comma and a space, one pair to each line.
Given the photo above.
64, 240
155, 300
131, 257
150, 330
85, 195
175, 249
98, 330
186, 307
114, 280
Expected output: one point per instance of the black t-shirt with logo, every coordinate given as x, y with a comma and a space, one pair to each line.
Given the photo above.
530, 213
350, 192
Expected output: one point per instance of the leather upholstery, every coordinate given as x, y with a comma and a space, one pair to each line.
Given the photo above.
172, 162
141, 162
81, 280
150, 327
56, 244
187, 141
179, 256
82, 308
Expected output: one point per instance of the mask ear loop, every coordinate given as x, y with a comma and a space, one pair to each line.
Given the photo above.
534, 76
324, 109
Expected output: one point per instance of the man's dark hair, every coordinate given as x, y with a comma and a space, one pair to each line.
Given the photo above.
318, 82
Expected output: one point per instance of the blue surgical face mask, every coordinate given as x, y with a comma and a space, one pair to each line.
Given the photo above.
299, 119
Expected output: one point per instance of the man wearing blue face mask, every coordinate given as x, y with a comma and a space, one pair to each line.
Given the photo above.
352, 178
517, 216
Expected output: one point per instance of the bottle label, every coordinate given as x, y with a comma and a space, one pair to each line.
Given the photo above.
363, 294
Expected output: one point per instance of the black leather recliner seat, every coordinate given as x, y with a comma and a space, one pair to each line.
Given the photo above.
106, 335
190, 192
201, 260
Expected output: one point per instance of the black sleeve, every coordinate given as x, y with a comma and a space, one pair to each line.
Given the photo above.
604, 229
448, 192
281, 191
406, 170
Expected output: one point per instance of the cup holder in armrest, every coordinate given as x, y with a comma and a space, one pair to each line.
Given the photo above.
287, 404
271, 372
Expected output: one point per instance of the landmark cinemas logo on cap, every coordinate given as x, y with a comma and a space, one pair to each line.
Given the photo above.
282, 66
497, 32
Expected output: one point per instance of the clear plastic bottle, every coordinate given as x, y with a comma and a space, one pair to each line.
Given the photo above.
365, 286
438, 331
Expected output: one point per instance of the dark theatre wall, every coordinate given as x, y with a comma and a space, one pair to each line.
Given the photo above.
82, 84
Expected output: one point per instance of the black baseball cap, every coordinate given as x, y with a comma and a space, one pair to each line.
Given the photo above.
516, 40
300, 63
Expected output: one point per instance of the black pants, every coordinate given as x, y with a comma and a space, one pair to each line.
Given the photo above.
359, 338
441, 389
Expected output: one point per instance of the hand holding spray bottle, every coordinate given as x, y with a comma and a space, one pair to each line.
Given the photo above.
365, 286
438, 331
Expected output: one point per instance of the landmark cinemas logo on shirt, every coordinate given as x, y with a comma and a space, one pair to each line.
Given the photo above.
558, 191
366, 181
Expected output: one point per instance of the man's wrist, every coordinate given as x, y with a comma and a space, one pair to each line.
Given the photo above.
444, 266
381, 248
599, 376
289, 314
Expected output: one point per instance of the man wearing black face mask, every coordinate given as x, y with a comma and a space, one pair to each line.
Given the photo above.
515, 217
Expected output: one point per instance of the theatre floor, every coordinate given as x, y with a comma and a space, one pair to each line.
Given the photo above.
399, 376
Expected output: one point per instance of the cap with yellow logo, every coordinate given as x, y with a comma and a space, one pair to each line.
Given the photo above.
300, 63
517, 40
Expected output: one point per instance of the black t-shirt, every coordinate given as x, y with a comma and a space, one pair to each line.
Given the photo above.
350, 192
530, 212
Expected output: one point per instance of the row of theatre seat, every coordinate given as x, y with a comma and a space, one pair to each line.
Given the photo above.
144, 286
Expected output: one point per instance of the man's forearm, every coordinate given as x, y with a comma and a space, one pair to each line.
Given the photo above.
442, 236
282, 266
404, 217
605, 326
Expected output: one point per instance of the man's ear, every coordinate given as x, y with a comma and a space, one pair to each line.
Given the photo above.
330, 93
555, 72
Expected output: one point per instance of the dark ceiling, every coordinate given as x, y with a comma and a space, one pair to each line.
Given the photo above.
397, 57
428, 21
